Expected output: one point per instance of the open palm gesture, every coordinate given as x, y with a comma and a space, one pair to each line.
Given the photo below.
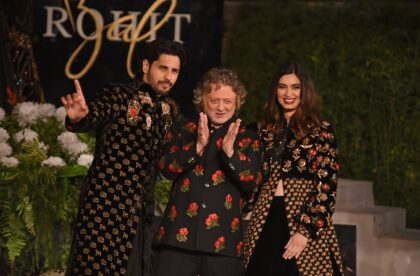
230, 137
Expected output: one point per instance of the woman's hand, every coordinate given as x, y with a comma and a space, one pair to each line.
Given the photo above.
230, 137
203, 133
295, 246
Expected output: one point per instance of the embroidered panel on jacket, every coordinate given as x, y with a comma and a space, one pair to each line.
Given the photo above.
204, 212
309, 171
130, 122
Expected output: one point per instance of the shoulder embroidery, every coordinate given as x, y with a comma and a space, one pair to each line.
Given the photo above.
133, 111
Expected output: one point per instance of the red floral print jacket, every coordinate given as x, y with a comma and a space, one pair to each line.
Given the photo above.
204, 212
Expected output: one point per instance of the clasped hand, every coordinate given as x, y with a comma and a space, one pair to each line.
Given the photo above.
204, 134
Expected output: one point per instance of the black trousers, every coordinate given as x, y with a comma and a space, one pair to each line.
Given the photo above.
267, 258
179, 262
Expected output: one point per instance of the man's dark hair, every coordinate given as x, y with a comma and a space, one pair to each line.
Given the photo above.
164, 46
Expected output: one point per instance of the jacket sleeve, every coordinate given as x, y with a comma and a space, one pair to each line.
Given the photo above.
101, 110
323, 164
244, 167
179, 150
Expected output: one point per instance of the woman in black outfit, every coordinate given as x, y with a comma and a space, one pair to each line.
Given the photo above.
290, 231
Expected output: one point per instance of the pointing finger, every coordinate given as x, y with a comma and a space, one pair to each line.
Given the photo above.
78, 87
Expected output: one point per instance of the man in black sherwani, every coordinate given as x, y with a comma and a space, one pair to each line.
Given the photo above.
130, 121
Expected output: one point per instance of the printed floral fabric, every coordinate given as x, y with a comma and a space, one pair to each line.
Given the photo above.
130, 122
309, 169
204, 212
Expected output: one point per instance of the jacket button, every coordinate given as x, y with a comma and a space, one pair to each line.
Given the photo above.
207, 185
203, 205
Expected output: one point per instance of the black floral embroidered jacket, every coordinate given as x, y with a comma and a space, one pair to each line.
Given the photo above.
204, 212
130, 122
309, 169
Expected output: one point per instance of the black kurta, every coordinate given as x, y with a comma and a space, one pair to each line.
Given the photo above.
130, 122
204, 212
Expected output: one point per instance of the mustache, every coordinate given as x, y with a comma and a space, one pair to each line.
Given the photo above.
165, 82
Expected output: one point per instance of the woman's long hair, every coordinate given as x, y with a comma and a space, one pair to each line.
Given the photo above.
307, 115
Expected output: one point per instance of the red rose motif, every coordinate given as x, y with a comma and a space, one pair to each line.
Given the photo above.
173, 149
162, 163
256, 145
324, 134
246, 176
319, 223
228, 201
218, 177
172, 213
161, 233
219, 143
192, 209
242, 156
212, 221
175, 168
219, 244
185, 187
191, 127
337, 166
198, 170
234, 225
168, 136
133, 112
187, 146
314, 165
182, 234
311, 152
244, 143
239, 247
325, 187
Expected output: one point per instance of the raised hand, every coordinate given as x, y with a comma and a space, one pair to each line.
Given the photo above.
295, 246
203, 133
230, 137
75, 104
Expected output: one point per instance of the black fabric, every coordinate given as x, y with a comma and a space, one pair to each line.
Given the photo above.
267, 258
116, 207
180, 262
204, 209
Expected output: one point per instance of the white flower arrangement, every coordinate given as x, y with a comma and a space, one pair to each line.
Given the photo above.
9, 162
54, 161
60, 114
2, 114
85, 160
26, 135
37, 151
72, 144
4, 135
5, 149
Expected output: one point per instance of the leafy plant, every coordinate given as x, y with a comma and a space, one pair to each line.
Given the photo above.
41, 169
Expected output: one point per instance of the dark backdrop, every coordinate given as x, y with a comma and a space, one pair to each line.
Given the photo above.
200, 29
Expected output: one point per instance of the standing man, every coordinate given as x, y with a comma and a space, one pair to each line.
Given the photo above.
130, 121
213, 163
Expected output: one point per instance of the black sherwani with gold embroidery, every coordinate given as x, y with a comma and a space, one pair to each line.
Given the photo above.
116, 206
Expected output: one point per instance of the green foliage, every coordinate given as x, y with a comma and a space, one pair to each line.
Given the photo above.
163, 187
364, 58
38, 202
